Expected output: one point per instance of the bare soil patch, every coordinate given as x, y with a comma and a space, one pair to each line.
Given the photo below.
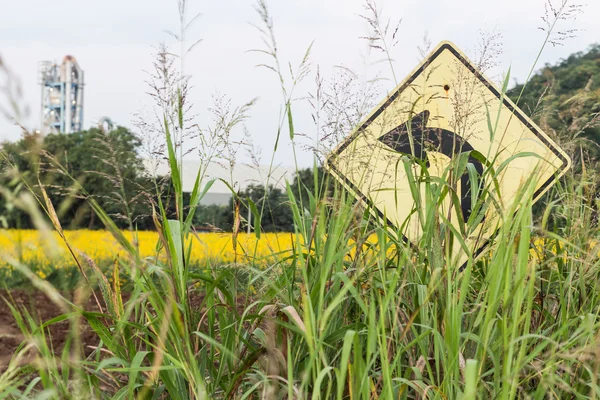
42, 310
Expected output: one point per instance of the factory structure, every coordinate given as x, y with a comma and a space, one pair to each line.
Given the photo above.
62, 95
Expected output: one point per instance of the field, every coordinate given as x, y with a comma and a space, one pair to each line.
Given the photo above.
48, 256
328, 299
206, 251
341, 307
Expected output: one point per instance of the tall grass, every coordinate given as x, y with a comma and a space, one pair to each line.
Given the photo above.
341, 317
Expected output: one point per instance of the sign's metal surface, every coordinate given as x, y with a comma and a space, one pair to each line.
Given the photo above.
438, 112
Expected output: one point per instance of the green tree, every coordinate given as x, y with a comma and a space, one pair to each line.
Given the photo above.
307, 184
213, 215
564, 99
105, 163
276, 212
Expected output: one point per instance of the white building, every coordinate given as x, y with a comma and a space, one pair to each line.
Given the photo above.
241, 177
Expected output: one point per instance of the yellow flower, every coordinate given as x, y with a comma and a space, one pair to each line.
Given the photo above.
38, 250
48, 252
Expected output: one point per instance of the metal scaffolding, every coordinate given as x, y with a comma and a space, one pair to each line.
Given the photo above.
62, 95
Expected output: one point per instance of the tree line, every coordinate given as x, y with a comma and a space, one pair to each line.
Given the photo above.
108, 168
564, 99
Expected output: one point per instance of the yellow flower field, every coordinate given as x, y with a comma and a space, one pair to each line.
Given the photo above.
48, 249
46, 252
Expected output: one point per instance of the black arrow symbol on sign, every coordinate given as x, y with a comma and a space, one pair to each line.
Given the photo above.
434, 139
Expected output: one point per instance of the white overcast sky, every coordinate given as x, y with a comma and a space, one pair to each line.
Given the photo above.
113, 41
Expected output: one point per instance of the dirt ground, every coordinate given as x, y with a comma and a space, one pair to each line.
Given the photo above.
42, 309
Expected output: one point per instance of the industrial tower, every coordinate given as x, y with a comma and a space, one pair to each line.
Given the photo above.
62, 95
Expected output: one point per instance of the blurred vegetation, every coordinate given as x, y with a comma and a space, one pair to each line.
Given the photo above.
105, 163
564, 99
110, 169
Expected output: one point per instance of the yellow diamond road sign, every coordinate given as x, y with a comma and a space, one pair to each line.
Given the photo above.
444, 108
